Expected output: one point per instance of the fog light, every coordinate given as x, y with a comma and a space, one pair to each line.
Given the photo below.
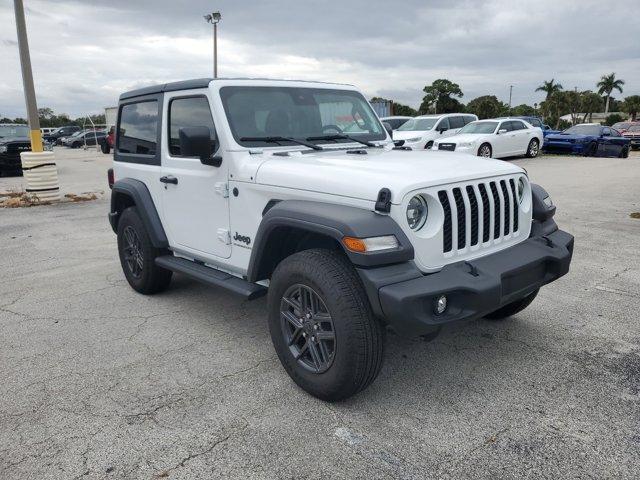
441, 304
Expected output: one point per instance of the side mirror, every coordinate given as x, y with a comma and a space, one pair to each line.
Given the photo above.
387, 127
546, 127
196, 142
606, 134
441, 130
501, 131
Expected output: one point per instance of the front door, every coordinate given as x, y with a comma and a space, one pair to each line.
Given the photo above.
195, 203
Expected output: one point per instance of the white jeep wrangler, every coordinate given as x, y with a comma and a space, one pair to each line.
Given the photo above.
295, 189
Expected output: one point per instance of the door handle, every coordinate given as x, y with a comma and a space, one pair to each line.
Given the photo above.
169, 179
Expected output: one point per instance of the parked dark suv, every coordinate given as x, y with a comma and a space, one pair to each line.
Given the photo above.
61, 132
14, 138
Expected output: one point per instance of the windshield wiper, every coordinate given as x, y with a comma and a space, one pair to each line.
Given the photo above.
341, 136
278, 139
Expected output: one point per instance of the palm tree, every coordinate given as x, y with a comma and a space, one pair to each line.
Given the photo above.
608, 84
549, 87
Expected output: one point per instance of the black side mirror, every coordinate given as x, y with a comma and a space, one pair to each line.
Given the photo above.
196, 142
442, 130
387, 127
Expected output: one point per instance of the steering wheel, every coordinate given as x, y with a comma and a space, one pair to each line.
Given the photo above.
331, 127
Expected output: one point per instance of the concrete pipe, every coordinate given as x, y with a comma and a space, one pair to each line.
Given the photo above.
41, 174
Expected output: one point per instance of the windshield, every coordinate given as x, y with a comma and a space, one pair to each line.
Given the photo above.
418, 124
634, 128
298, 113
583, 130
13, 131
479, 127
622, 125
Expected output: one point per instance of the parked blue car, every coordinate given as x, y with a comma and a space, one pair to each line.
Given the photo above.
588, 139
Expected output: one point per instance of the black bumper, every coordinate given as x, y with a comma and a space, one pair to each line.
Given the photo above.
406, 298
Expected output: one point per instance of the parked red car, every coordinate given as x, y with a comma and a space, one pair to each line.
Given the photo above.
107, 143
633, 134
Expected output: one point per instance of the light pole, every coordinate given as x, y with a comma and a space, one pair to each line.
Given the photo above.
214, 18
39, 167
510, 93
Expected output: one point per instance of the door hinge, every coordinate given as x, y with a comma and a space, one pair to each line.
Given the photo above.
224, 236
222, 188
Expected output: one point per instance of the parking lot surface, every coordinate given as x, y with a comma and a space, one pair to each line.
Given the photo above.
97, 381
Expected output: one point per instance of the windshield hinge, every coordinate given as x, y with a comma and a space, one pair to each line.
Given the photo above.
222, 188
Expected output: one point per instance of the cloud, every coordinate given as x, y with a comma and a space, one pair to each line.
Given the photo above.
85, 53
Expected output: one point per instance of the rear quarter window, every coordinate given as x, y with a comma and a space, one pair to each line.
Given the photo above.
138, 128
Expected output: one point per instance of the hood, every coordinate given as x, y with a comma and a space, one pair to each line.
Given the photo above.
363, 175
404, 135
465, 137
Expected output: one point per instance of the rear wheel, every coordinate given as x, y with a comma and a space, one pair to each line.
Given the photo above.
321, 325
513, 308
485, 150
533, 148
138, 255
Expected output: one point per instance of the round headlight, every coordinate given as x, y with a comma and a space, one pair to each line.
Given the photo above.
521, 187
417, 212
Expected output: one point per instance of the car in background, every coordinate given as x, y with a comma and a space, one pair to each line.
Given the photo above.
537, 122
495, 138
87, 137
420, 132
590, 140
61, 132
623, 126
14, 139
396, 121
47, 130
633, 134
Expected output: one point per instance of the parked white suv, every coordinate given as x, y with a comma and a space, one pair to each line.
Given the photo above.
255, 186
420, 132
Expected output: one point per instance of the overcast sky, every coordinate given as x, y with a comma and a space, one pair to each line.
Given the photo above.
85, 53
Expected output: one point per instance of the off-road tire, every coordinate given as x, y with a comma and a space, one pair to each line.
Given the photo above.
533, 149
359, 336
150, 278
513, 307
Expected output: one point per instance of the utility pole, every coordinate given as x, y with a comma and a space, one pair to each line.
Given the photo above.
510, 93
214, 18
27, 79
39, 167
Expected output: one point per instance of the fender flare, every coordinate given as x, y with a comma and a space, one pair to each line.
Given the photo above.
139, 194
334, 221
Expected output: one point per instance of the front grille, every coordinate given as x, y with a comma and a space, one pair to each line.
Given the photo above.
10, 159
478, 213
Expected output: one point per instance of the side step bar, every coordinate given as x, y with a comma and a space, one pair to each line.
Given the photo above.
211, 276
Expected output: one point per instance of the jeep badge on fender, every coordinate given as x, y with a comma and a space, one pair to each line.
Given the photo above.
348, 235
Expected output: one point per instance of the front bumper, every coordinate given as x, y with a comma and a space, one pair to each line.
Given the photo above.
563, 147
406, 298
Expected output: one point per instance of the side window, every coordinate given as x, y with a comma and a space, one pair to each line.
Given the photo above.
468, 119
456, 122
138, 130
517, 125
443, 125
506, 126
536, 123
606, 131
188, 112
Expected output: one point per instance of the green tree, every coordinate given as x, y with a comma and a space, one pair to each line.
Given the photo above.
631, 105
549, 87
400, 109
590, 102
613, 118
439, 97
606, 85
487, 106
553, 105
523, 110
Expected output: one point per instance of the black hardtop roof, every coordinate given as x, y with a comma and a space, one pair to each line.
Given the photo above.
190, 84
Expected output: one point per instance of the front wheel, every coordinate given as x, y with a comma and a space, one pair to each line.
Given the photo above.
513, 307
484, 150
322, 326
533, 148
428, 145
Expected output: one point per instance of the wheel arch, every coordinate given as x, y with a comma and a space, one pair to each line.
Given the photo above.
129, 192
293, 225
